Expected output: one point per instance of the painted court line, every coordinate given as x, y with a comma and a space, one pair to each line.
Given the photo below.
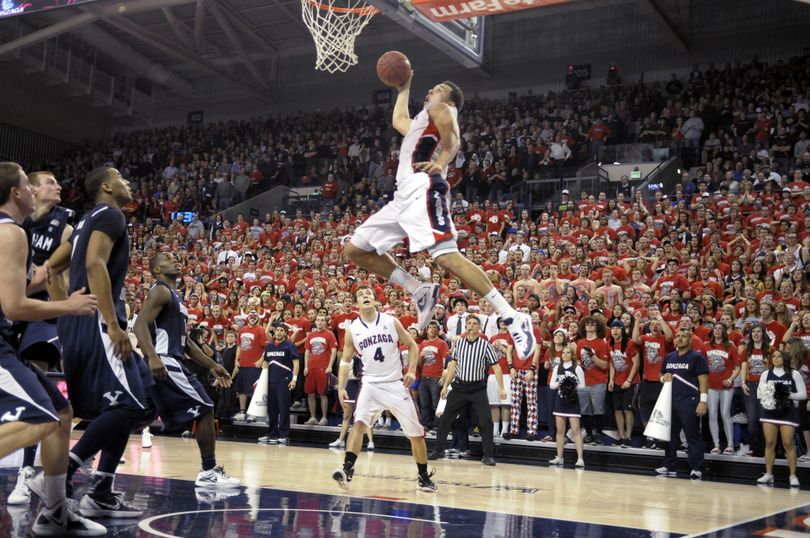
744, 521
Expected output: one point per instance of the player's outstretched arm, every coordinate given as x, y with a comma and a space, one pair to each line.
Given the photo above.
155, 300
13, 300
402, 116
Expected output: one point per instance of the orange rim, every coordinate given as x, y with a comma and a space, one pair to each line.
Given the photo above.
366, 11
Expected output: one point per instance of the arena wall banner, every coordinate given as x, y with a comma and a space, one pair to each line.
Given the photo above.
444, 10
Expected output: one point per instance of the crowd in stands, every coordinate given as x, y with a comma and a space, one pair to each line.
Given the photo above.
726, 254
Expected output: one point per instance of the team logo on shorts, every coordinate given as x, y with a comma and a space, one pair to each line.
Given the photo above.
8, 416
112, 398
194, 411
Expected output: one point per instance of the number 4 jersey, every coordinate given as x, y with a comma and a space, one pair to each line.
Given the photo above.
377, 344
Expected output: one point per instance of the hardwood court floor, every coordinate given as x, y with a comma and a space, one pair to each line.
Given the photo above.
631, 501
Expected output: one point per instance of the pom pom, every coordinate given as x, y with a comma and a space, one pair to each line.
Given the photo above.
765, 394
781, 395
568, 388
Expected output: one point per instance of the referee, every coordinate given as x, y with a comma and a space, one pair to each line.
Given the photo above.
467, 371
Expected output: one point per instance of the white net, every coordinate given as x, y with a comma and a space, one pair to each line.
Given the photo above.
334, 29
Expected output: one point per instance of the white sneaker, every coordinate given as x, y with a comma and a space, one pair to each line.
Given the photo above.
21, 493
794, 481
239, 416
766, 479
556, 460
580, 464
338, 443
663, 471
425, 298
146, 438
283, 441
216, 478
370, 447
323, 422
64, 520
522, 333
311, 422
803, 458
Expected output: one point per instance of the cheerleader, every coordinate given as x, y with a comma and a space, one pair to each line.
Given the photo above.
566, 404
779, 413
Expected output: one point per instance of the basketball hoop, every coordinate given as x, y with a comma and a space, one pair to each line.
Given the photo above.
334, 29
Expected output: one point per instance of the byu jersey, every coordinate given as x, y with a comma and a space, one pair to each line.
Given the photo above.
111, 222
46, 233
169, 328
7, 338
377, 344
419, 145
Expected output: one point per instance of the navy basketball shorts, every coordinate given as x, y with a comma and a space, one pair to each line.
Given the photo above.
40, 342
97, 379
26, 394
180, 399
246, 378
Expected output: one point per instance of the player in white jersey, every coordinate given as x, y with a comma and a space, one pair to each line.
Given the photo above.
375, 337
420, 210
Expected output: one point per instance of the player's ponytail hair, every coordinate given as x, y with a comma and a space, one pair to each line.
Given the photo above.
456, 95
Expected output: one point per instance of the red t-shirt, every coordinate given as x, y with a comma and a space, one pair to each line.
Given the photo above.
252, 341
722, 360
340, 323
499, 342
320, 345
622, 362
757, 364
653, 351
594, 375
435, 352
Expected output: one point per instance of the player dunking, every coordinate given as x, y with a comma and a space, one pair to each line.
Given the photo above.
375, 337
107, 382
46, 228
420, 210
178, 396
31, 407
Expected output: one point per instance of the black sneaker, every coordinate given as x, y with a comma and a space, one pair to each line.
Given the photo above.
435, 455
61, 520
425, 483
649, 442
106, 504
488, 461
597, 439
507, 436
531, 437
588, 439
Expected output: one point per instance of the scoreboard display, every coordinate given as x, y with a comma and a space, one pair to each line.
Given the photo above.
9, 8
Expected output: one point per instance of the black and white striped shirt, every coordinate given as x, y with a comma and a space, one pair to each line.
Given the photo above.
473, 358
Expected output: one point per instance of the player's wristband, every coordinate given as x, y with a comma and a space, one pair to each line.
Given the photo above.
704, 397
533, 368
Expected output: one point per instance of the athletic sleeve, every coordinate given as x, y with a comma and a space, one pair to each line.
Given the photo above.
580, 377
491, 356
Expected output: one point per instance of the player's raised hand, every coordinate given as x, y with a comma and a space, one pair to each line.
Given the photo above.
223, 378
407, 85
82, 304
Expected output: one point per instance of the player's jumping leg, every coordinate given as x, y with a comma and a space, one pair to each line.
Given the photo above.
210, 475
343, 475
519, 325
425, 294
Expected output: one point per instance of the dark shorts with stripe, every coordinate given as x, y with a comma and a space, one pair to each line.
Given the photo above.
180, 399
40, 342
97, 379
26, 393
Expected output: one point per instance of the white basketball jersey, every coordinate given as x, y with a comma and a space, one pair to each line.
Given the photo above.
377, 345
419, 145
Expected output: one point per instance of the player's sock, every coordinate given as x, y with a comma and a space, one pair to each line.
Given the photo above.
422, 468
102, 482
404, 280
498, 302
29, 455
348, 462
209, 463
55, 491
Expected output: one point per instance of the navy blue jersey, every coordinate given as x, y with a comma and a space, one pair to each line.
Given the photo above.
169, 328
280, 358
688, 367
45, 234
111, 222
7, 333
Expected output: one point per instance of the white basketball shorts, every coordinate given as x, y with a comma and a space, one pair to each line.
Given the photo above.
419, 211
393, 396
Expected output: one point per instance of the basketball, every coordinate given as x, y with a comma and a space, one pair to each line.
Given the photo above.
393, 68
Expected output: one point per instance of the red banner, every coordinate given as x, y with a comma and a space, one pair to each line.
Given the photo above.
448, 10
